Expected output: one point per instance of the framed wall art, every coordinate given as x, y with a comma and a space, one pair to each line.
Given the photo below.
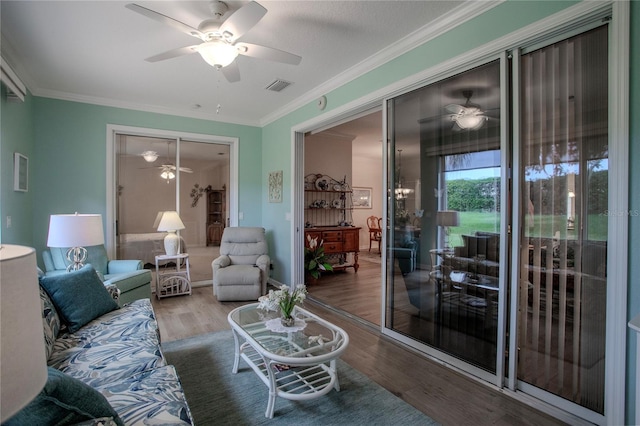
275, 186
361, 198
20, 172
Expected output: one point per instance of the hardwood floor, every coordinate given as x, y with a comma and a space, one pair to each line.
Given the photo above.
441, 393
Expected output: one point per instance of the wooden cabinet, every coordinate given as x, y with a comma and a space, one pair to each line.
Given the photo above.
341, 243
216, 216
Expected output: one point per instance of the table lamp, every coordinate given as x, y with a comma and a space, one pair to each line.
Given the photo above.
171, 222
447, 218
75, 231
23, 365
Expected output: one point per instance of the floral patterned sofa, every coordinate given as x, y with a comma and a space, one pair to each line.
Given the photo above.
117, 353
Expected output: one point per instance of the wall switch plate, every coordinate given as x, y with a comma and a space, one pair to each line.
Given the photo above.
8, 221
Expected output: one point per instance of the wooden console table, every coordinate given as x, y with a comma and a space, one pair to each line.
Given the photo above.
338, 240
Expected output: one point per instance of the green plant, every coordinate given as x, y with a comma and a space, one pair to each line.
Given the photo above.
315, 261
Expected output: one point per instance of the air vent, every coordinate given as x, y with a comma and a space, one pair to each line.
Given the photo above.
278, 85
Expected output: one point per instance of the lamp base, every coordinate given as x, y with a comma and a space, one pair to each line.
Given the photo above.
77, 256
172, 243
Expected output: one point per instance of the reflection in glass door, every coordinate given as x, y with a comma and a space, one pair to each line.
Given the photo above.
156, 175
448, 219
443, 261
563, 259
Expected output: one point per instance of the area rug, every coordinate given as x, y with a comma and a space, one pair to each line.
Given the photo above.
216, 396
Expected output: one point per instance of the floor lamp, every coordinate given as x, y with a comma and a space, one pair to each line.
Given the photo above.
23, 365
76, 231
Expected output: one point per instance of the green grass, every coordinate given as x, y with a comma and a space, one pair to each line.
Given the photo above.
543, 226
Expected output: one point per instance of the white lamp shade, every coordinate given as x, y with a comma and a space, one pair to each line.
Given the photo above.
157, 221
75, 230
171, 222
217, 53
448, 218
23, 364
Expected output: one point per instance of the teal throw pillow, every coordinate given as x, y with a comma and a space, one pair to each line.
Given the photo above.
79, 296
64, 400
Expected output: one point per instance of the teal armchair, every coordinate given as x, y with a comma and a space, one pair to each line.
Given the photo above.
132, 280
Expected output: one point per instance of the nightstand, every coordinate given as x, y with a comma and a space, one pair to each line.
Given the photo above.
172, 280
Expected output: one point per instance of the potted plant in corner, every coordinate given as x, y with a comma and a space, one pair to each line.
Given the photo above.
315, 261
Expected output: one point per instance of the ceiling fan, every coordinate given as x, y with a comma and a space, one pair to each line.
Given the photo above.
168, 169
468, 116
220, 45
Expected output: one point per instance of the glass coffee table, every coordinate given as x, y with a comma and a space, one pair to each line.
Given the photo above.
297, 363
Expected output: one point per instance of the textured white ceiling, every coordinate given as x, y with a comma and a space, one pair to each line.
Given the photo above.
94, 51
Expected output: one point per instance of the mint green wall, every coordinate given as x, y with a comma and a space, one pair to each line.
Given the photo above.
66, 148
68, 165
16, 135
493, 24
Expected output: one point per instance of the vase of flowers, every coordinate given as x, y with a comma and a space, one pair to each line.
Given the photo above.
315, 261
284, 300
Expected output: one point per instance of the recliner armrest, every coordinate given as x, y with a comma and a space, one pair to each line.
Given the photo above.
221, 262
121, 266
263, 262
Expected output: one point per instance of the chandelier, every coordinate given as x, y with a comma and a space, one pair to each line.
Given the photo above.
401, 192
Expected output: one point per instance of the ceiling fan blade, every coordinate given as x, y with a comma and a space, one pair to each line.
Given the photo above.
242, 20
174, 168
231, 72
159, 17
173, 53
269, 53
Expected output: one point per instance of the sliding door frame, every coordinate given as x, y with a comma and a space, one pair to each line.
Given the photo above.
559, 23
114, 130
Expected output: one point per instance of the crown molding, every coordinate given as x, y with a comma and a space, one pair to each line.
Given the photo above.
73, 97
456, 17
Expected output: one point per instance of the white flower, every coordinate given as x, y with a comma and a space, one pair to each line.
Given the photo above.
283, 299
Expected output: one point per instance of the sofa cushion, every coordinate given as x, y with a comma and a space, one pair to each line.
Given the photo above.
128, 281
79, 296
64, 401
238, 275
50, 321
112, 347
152, 397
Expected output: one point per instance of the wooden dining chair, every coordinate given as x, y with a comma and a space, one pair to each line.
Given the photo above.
375, 231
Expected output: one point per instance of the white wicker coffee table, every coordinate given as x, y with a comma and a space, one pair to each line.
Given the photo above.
299, 364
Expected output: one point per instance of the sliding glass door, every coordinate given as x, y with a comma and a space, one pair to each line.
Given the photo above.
443, 260
156, 174
564, 191
468, 281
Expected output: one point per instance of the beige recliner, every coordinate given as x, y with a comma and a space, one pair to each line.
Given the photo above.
242, 270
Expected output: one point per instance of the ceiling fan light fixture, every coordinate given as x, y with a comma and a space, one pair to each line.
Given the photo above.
217, 53
150, 156
168, 175
470, 121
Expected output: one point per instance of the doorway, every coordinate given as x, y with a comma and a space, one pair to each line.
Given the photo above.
349, 152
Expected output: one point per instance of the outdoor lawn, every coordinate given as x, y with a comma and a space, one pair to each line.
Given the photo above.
543, 226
